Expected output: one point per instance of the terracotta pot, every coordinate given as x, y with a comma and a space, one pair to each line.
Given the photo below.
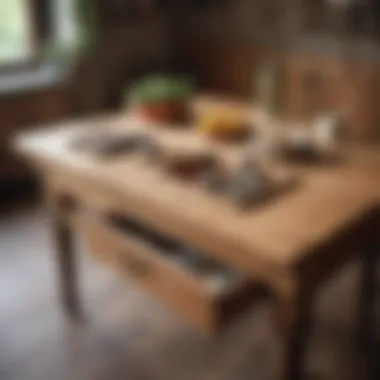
164, 112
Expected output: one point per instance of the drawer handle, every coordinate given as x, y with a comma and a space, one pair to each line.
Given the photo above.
135, 266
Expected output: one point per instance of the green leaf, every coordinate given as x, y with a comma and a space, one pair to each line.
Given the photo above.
160, 88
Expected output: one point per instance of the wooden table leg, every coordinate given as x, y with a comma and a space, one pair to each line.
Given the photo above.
367, 308
367, 295
296, 312
64, 245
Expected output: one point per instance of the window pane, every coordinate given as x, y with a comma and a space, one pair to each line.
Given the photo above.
15, 32
67, 28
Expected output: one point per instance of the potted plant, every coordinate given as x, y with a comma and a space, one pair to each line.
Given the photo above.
161, 98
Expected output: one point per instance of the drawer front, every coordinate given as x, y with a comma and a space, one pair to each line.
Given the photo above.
187, 294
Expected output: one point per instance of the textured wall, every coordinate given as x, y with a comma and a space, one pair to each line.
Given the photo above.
248, 21
280, 22
124, 49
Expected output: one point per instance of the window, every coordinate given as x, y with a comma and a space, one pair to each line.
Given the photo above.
30, 28
16, 37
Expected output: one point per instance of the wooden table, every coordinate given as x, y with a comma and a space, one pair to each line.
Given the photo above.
291, 246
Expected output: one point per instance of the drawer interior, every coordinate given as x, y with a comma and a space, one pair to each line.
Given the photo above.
216, 276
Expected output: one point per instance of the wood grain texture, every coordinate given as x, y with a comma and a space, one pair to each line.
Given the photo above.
224, 68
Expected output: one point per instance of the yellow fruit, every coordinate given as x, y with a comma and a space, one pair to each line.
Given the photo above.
225, 123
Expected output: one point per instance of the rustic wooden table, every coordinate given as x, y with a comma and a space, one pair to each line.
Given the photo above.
291, 246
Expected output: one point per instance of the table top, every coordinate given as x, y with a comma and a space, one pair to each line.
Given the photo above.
281, 233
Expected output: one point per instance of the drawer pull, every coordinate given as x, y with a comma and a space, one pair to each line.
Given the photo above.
134, 266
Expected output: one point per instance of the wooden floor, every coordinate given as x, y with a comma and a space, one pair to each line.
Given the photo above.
128, 335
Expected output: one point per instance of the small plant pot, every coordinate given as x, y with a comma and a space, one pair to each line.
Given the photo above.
163, 112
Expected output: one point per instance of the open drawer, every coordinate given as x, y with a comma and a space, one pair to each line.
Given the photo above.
204, 292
